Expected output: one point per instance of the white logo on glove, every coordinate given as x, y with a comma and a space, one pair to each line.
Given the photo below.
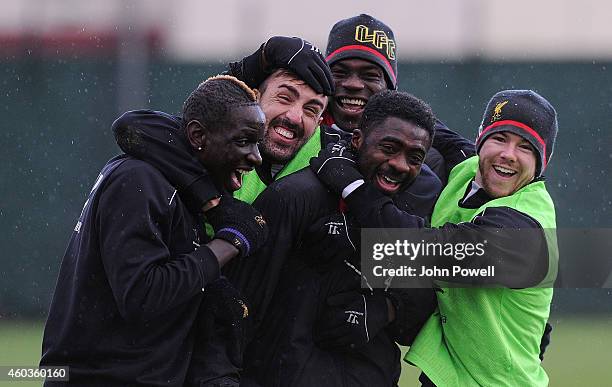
352, 318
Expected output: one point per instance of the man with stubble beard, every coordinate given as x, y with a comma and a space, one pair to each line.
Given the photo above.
293, 82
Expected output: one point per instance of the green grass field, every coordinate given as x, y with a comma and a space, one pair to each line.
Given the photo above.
579, 354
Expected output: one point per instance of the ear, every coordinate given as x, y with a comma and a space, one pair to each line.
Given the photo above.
196, 134
357, 139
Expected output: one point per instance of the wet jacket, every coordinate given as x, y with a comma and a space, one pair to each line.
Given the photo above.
130, 283
289, 280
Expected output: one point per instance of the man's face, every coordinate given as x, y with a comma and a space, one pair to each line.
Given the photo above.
293, 111
507, 163
356, 81
231, 150
391, 154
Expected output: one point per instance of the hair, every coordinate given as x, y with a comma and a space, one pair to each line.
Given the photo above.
212, 100
399, 104
277, 73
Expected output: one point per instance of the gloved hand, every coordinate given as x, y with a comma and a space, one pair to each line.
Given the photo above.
301, 57
413, 307
239, 224
223, 312
336, 167
351, 319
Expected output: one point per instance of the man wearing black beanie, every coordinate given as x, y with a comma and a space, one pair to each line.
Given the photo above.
361, 52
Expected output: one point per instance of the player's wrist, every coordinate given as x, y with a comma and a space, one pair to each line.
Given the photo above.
222, 250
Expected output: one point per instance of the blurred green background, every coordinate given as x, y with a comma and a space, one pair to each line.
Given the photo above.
55, 138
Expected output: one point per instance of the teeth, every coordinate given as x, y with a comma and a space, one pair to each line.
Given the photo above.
241, 171
504, 170
352, 101
390, 180
284, 132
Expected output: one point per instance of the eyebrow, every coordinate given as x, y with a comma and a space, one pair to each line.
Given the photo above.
254, 126
248, 131
526, 142
317, 102
296, 94
395, 140
291, 89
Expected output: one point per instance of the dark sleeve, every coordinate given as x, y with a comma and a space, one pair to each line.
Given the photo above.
453, 147
413, 306
436, 163
515, 245
156, 137
249, 69
372, 209
288, 211
420, 197
412, 310
135, 222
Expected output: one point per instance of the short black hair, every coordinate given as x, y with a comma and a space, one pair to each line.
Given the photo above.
212, 100
278, 73
399, 104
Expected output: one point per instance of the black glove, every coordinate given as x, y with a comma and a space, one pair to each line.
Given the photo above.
336, 167
295, 54
238, 223
301, 57
351, 319
545, 339
413, 307
223, 313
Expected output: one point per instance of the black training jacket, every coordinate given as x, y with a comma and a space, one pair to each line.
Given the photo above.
289, 280
130, 284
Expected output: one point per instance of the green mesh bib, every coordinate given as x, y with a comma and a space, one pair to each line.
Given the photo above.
488, 336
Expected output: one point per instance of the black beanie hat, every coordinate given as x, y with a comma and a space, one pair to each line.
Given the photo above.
364, 37
524, 113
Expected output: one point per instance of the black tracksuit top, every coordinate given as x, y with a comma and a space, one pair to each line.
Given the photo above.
290, 278
130, 283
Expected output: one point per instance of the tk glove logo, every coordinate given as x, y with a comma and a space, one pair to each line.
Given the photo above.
352, 318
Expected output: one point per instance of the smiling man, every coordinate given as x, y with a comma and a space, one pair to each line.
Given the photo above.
391, 156
293, 111
129, 296
312, 259
361, 52
482, 335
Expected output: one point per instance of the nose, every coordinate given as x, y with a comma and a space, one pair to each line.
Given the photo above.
353, 82
400, 164
254, 157
294, 114
508, 153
